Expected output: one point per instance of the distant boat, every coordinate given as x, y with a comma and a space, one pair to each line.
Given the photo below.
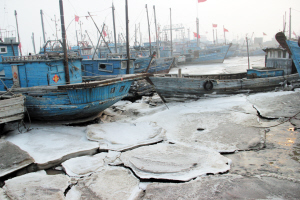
276, 74
206, 55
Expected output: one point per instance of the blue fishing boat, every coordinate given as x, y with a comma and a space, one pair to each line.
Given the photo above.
292, 46
279, 72
106, 67
205, 55
53, 86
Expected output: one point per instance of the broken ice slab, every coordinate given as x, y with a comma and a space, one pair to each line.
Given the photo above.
225, 187
3, 196
109, 183
49, 146
120, 136
276, 104
86, 165
174, 162
12, 158
37, 185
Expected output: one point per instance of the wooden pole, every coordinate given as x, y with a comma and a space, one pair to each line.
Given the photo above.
127, 39
42, 20
156, 31
149, 30
63, 33
33, 43
18, 33
290, 24
248, 53
115, 36
171, 32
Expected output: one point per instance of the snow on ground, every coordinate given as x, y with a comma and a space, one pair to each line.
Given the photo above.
37, 185
86, 165
280, 104
120, 136
174, 162
224, 124
51, 145
109, 183
224, 187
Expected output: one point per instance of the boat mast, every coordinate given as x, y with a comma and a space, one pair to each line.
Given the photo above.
171, 32
290, 25
42, 20
248, 53
127, 38
197, 25
63, 33
115, 36
18, 33
33, 43
224, 34
149, 30
156, 31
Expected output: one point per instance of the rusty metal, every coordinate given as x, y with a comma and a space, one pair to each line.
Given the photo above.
281, 39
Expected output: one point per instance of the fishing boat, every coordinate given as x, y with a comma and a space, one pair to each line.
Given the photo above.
205, 55
53, 86
254, 80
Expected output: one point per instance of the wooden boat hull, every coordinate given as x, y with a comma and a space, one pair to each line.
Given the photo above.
12, 109
83, 104
197, 87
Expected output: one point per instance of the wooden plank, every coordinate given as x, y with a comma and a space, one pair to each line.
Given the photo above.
12, 118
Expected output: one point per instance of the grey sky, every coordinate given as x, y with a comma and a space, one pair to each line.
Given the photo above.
240, 17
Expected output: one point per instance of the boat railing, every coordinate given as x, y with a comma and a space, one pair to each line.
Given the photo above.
24, 58
39, 57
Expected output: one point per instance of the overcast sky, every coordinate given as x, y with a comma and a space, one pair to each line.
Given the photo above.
239, 17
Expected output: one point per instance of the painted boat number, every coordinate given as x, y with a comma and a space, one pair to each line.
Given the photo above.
55, 78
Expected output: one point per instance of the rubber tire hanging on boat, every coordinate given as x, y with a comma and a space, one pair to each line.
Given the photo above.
208, 85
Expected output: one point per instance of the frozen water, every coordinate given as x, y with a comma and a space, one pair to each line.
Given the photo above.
109, 183
37, 185
119, 136
51, 145
174, 162
86, 165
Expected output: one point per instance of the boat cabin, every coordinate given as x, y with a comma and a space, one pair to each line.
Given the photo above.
8, 47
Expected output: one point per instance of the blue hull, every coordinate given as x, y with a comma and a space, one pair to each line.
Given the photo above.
295, 49
75, 104
158, 65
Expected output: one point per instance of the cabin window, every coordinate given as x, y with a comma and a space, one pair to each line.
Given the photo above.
86, 52
284, 54
102, 66
112, 90
279, 54
122, 88
107, 67
3, 50
124, 64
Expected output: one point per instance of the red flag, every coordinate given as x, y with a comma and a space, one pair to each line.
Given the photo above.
199, 1
214, 25
76, 18
225, 30
294, 33
264, 33
104, 33
20, 46
195, 35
